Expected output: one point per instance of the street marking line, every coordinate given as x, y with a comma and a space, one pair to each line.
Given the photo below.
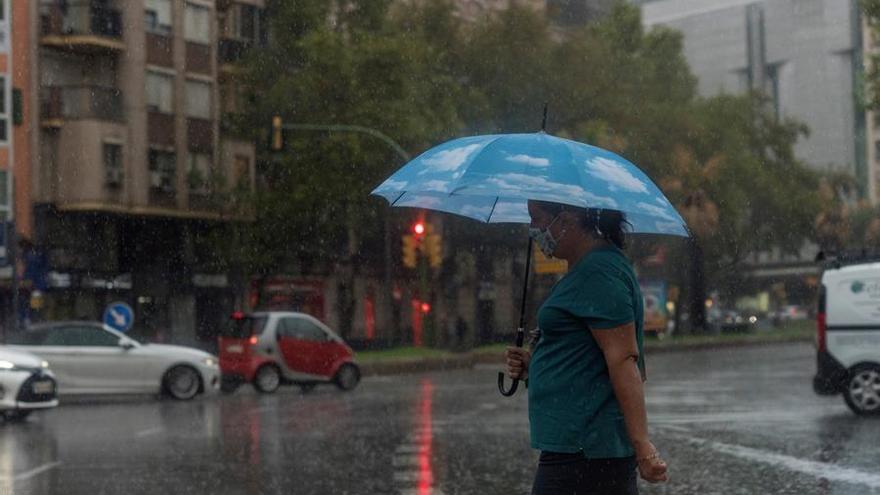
30, 474
405, 460
677, 428
149, 431
411, 449
416, 476
830, 472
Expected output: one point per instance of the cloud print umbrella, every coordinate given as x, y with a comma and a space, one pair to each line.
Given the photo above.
491, 179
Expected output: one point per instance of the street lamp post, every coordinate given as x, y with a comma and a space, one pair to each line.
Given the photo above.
279, 126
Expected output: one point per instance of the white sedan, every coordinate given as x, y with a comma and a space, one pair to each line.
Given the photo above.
92, 358
26, 384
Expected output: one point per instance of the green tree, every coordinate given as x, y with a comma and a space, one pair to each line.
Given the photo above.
355, 63
871, 10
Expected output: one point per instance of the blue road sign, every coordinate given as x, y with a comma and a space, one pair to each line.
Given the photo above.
119, 316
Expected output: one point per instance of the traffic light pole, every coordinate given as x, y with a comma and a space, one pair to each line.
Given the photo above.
276, 123
429, 337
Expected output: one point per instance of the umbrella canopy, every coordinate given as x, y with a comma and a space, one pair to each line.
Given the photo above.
491, 178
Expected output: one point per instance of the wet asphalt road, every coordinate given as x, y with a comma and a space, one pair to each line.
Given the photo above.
729, 422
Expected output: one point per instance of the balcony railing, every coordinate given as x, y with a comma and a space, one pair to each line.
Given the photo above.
81, 102
83, 18
230, 51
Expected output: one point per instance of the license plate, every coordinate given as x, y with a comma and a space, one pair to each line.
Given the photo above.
235, 348
45, 387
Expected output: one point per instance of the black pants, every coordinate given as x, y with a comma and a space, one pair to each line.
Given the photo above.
574, 474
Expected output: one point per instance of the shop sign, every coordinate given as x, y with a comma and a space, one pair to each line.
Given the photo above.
119, 282
210, 280
59, 280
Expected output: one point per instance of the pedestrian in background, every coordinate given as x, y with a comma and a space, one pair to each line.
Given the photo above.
586, 401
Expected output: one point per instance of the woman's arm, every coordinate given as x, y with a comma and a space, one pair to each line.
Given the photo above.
621, 352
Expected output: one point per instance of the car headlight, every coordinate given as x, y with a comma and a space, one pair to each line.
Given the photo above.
10, 366
209, 361
44, 365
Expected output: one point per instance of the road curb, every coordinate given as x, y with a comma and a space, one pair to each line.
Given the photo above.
468, 360
418, 365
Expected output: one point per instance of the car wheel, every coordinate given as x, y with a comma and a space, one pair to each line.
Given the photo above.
347, 377
267, 379
182, 382
307, 387
17, 414
862, 392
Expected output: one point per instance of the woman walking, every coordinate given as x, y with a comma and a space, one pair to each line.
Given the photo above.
586, 401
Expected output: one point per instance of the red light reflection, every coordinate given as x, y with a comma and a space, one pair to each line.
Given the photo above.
426, 437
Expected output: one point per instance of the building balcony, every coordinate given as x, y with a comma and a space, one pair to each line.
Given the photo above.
160, 129
81, 26
230, 52
61, 103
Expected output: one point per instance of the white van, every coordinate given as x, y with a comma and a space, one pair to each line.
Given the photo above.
848, 335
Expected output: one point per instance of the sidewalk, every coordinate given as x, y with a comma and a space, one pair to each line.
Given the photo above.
416, 360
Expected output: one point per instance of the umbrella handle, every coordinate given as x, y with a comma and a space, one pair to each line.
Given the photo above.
520, 336
506, 393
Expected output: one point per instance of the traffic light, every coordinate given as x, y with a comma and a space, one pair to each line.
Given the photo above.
410, 251
434, 250
276, 140
419, 228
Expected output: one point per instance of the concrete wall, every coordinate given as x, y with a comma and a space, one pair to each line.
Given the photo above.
810, 43
79, 170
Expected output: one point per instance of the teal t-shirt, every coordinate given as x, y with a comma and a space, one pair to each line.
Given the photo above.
572, 406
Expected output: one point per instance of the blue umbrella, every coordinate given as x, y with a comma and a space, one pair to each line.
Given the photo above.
491, 178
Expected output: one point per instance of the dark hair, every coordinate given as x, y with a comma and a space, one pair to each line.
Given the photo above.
602, 223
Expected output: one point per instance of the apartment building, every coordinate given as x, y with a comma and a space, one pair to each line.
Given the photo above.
128, 155
804, 54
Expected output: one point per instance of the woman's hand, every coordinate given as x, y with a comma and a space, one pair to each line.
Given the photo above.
652, 468
518, 359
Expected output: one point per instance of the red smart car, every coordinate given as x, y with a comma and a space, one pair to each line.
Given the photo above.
274, 348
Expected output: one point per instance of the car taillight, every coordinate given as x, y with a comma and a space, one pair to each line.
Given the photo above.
252, 340
821, 323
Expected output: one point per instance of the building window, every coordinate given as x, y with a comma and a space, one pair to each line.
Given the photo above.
162, 171
242, 170
198, 100
113, 164
157, 16
199, 175
245, 22
160, 92
4, 192
197, 24
4, 112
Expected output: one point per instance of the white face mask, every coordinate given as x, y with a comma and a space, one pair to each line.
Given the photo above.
546, 242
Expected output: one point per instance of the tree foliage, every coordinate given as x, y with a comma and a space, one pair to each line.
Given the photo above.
421, 75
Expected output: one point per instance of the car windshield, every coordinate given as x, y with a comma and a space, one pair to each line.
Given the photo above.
245, 327
27, 337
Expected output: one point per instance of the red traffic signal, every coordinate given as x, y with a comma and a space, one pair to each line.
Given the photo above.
425, 307
419, 228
